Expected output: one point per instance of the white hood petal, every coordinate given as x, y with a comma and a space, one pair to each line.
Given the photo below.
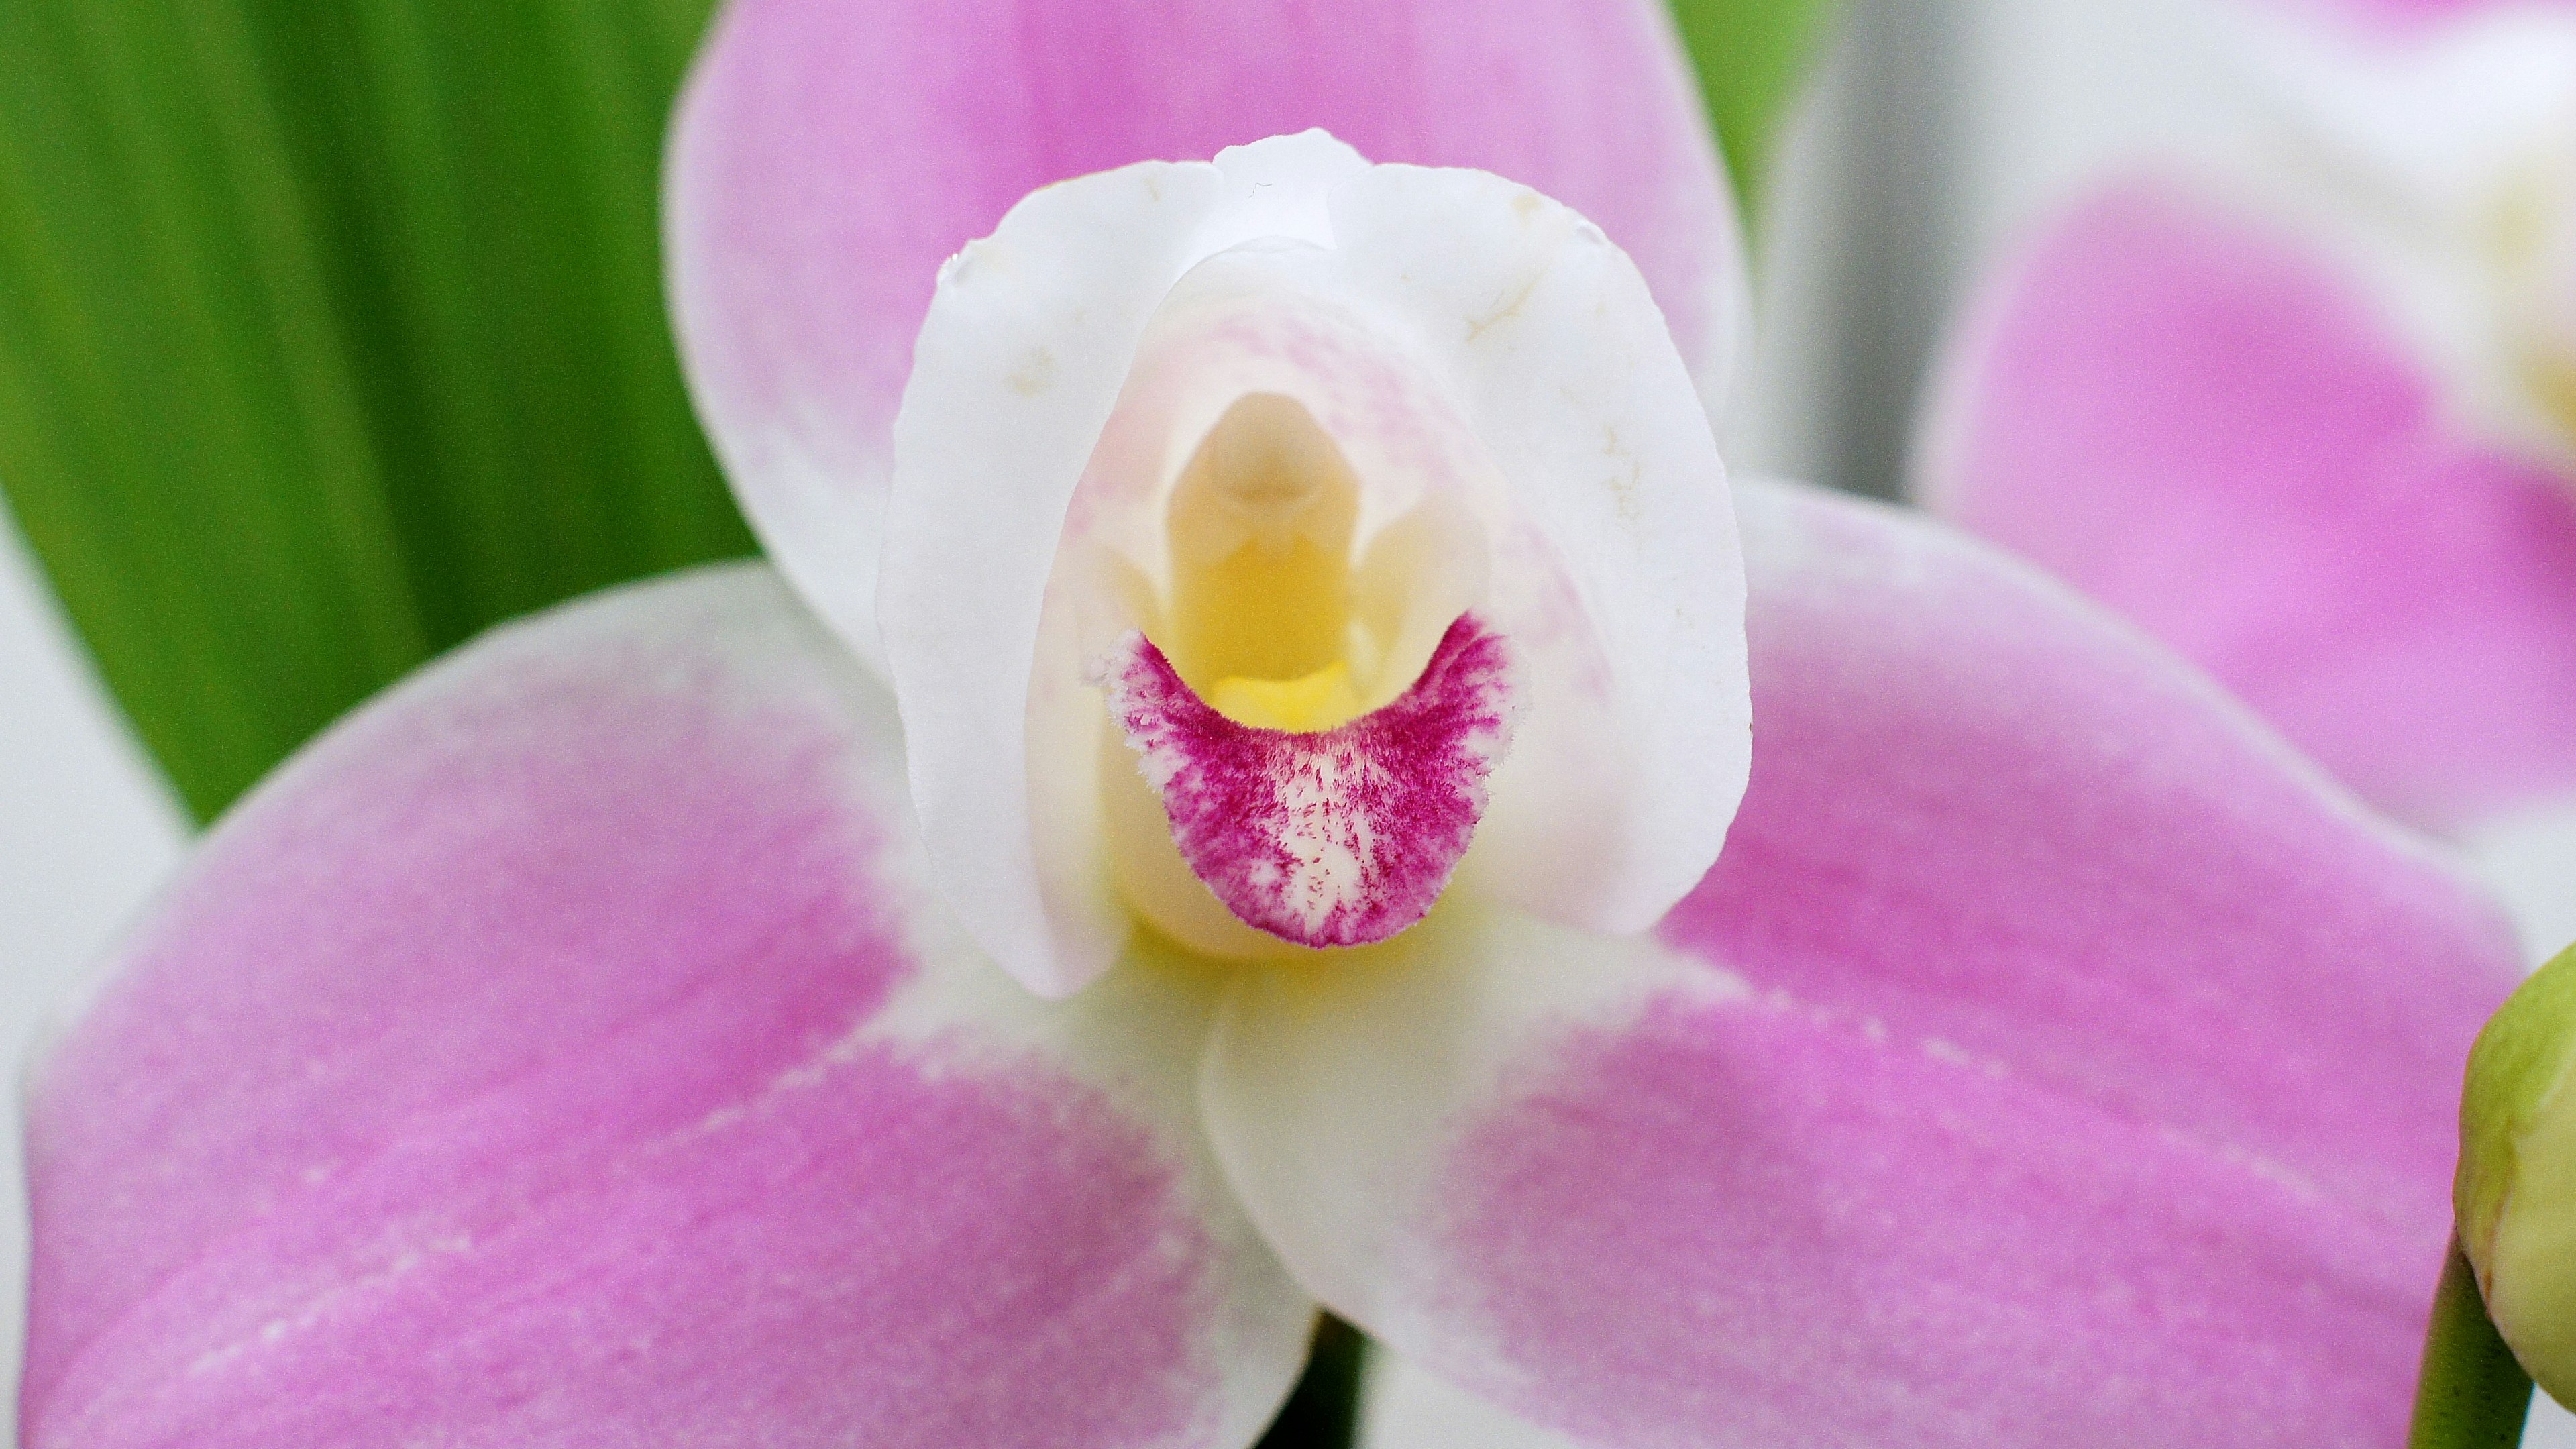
1290, 416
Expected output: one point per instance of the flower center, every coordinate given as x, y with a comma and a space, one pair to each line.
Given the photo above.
1338, 837
1312, 711
1261, 527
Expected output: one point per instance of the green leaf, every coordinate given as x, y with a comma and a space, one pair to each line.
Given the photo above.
1752, 56
331, 331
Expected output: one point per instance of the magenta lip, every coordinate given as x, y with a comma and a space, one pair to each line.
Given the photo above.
1338, 837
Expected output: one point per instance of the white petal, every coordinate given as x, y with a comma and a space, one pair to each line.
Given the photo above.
1634, 745
1332, 1094
1496, 377
1027, 341
2528, 859
1406, 1406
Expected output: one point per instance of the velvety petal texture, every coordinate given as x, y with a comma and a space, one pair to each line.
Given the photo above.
2212, 429
828, 155
2052, 1057
565, 1051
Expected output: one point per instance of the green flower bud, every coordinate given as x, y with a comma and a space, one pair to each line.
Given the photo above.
2516, 1190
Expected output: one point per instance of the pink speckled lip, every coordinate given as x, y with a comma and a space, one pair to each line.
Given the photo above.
1340, 837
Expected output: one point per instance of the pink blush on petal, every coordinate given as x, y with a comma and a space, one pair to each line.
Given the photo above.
2202, 423
501, 1076
2092, 1076
1750, 1223
1339, 837
864, 1255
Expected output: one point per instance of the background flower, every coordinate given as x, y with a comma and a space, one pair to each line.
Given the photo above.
2298, 407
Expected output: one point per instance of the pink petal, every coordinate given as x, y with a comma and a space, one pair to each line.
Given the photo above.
2412, 17
560, 1054
2050, 1059
1338, 837
2198, 424
830, 154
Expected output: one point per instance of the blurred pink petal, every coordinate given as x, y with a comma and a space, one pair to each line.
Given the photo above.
2201, 425
830, 154
560, 1053
2413, 16
2051, 1058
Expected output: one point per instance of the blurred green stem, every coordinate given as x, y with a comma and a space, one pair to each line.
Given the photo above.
2470, 1394
1752, 57
1324, 1412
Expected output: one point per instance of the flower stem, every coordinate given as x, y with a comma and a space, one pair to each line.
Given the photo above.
2471, 1393
1324, 1411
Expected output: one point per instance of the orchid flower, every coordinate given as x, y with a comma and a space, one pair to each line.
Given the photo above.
2305, 408
1218, 811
